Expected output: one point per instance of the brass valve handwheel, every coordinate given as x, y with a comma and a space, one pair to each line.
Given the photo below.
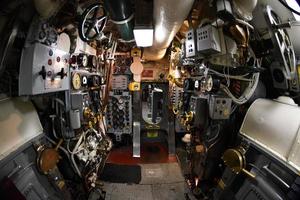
236, 161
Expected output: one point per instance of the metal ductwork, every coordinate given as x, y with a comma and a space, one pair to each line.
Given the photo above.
168, 17
121, 14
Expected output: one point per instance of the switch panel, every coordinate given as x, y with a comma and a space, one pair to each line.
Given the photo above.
190, 49
208, 40
43, 69
119, 114
80, 101
219, 107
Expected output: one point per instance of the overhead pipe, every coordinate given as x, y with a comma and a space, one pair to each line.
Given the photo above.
168, 16
121, 14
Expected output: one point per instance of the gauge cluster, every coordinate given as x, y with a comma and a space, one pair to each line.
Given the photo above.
119, 114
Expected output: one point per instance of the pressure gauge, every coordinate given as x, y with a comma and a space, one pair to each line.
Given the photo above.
84, 80
120, 101
121, 107
209, 83
82, 60
76, 81
92, 61
197, 85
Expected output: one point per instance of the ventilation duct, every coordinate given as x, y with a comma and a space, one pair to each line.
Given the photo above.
121, 14
168, 17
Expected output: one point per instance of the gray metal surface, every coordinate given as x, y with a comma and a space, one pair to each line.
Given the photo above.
275, 127
80, 101
171, 137
219, 107
208, 40
20, 127
20, 167
261, 190
136, 139
19, 124
190, 45
163, 173
33, 59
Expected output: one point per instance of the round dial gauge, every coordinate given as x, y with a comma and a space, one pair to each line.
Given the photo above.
93, 61
209, 84
84, 80
76, 81
120, 101
121, 107
84, 60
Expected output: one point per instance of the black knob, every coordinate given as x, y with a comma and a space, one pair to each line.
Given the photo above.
43, 72
62, 73
188, 84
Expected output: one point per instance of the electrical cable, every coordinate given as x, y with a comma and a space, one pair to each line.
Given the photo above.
245, 23
247, 93
288, 7
237, 77
75, 151
60, 147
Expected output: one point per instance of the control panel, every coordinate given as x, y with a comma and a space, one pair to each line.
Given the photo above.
80, 101
190, 47
85, 72
208, 40
87, 79
119, 114
44, 69
198, 106
219, 107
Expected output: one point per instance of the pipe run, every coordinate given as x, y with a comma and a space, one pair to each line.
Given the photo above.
121, 14
168, 16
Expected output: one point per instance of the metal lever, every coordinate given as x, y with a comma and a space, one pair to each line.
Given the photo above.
275, 176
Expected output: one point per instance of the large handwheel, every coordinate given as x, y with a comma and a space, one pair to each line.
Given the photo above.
92, 22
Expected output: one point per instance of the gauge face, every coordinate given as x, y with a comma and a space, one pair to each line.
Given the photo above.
121, 107
76, 81
84, 60
84, 80
209, 83
197, 84
93, 61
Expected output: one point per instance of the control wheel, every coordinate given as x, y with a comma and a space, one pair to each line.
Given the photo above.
92, 22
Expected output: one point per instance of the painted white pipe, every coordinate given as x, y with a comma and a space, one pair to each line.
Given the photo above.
168, 16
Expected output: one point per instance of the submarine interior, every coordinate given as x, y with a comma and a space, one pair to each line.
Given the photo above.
150, 99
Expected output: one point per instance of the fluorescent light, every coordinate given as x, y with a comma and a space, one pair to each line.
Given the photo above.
143, 37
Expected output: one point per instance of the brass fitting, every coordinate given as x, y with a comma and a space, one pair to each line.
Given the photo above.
189, 117
178, 81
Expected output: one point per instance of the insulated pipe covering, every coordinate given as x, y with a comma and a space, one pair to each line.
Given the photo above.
168, 16
121, 14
